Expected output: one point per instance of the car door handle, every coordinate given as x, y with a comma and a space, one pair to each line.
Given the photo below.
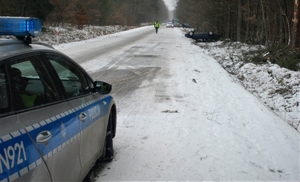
43, 137
82, 117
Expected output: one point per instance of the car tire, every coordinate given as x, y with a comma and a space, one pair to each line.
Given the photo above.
109, 147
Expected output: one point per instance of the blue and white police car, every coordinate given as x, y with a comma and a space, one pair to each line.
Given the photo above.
56, 122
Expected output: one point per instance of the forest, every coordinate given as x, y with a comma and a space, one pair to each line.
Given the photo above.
273, 23
91, 12
251, 21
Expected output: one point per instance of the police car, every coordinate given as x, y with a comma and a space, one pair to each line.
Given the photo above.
56, 122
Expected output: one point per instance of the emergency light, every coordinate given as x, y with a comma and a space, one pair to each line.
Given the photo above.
20, 26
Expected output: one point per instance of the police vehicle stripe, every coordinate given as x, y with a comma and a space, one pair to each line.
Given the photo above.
36, 126
43, 123
58, 116
53, 119
24, 171
22, 131
6, 137
31, 128
16, 134
48, 121
14, 176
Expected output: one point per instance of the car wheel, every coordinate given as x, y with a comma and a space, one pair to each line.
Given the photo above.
109, 147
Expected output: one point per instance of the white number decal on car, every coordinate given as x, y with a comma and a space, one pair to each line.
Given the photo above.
10, 154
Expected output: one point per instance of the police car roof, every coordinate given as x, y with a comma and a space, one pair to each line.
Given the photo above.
10, 48
24, 29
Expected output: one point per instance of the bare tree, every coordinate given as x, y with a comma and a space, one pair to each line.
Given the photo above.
296, 25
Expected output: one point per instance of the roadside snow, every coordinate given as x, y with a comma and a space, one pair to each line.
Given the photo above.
67, 33
196, 122
277, 87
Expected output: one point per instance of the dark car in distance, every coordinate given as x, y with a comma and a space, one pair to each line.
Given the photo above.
203, 37
186, 25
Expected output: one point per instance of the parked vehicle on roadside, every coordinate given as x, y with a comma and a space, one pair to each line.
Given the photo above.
176, 22
186, 25
203, 37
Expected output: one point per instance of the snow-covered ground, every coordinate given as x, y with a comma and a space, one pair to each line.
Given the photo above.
198, 122
278, 88
66, 33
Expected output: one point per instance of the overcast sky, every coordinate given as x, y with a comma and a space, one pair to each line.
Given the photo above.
171, 4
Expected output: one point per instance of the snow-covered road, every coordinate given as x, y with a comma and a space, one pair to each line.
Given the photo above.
192, 121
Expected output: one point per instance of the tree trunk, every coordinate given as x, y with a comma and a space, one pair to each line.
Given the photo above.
264, 23
247, 22
296, 25
239, 21
228, 22
288, 28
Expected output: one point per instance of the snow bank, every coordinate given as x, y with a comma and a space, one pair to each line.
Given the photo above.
54, 35
277, 87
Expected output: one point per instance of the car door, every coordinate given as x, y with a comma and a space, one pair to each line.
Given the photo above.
19, 158
49, 120
89, 106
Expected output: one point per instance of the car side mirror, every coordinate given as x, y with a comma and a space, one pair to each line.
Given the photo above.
102, 87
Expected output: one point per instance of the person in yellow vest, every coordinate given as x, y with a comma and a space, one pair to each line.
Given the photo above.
156, 26
20, 87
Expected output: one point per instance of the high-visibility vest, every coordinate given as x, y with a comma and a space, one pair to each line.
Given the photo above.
156, 24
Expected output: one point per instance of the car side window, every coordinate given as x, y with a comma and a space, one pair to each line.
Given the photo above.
32, 83
74, 80
5, 105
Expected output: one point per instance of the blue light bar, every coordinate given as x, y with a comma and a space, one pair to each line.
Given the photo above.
20, 26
